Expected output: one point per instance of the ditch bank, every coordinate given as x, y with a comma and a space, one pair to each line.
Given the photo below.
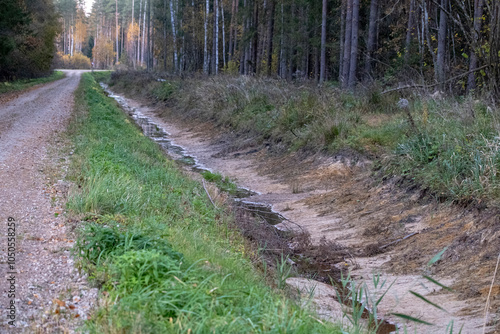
371, 228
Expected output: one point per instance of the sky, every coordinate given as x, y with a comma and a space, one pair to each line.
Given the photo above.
88, 6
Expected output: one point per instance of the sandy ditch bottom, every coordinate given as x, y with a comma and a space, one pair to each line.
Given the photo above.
386, 228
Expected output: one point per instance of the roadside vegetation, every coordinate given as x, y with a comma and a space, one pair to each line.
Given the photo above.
27, 38
75, 62
21, 84
448, 146
165, 258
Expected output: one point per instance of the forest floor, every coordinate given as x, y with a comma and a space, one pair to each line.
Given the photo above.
386, 227
40, 281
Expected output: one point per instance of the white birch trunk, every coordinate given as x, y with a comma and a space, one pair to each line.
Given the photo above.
139, 33
205, 46
223, 34
143, 33
116, 30
72, 41
132, 40
174, 34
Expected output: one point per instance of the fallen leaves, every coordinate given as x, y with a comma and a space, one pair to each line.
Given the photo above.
59, 302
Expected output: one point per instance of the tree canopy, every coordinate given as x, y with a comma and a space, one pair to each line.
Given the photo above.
27, 32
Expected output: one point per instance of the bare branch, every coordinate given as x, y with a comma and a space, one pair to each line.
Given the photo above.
435, 84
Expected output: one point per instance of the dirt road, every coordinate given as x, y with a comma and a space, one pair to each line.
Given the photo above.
36, 267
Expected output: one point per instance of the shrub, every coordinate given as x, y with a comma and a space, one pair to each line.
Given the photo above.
78, 61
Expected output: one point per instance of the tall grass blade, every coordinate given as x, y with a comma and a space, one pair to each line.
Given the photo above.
409, 318
436, 257
427, 300
437, 283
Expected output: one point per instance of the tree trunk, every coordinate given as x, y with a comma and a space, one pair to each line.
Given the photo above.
478, 14
143, 46
72, 41
347, 44
174, 34
410, 30
231, 28
255, 37
270, 33
353, 62
282, 62
148, 46
372, 32
342, 38
223, 34
244, 49
215, 41
165, 54
194, 50
441, 53
428, 38
205, 44
116, 26
322, 65
138, 54
132, 39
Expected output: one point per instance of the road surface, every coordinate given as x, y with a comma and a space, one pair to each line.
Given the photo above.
36, 261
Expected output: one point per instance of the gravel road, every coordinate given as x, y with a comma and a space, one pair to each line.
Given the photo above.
40, 283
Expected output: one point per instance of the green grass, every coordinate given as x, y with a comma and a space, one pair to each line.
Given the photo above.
102, 76
452, 151
168, 259
17, 85
223, 183
454, 154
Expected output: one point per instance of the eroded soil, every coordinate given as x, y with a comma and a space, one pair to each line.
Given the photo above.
391, 228
49, 295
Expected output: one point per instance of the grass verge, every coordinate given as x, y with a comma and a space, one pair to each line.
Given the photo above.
166, 259
17, 85
449, 147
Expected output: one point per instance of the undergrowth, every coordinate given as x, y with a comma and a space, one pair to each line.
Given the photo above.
223, 183
17, 85
163, 255
452, 150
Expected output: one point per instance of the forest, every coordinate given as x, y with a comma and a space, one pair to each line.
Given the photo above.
27, 32
442, 44
225, 160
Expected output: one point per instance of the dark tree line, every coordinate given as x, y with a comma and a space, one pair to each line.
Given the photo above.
27, 32
453, 45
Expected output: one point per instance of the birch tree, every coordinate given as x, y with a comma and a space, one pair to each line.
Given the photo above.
205, 45
174, 34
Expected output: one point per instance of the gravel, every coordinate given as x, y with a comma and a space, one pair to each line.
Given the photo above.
50, 294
